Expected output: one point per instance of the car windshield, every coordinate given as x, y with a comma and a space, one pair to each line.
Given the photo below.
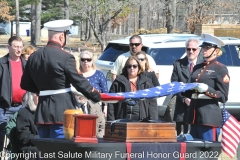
113, 51
166, 56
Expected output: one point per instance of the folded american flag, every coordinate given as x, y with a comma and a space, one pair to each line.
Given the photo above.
155, 92
230, 134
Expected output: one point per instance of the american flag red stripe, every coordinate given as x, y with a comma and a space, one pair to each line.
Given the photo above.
230, 134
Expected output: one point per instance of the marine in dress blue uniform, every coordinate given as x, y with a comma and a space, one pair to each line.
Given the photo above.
204, 113
49, 73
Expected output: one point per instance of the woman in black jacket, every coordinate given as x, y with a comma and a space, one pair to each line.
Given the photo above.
142, 57
131, 80
26, 129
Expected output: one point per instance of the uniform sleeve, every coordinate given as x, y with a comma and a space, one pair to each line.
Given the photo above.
27, 82
220, 92
79, 82
23, 129
152, 64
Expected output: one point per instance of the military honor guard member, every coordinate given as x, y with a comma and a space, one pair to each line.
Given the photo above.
49, 73
204, 113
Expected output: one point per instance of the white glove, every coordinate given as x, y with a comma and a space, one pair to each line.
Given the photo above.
74, 91
202, 87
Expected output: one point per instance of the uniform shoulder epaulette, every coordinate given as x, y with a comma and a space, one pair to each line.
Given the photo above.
219, 64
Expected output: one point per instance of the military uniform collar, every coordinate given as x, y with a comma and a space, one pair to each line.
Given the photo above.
54, 43
210, 62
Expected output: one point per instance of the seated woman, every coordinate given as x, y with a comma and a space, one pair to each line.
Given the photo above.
26, 130
145, 64
131, 80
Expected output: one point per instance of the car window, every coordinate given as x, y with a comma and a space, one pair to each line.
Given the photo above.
166, 56
114, 50
226, 57
235, 54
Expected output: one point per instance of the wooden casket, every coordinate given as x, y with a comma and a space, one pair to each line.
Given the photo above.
140, 132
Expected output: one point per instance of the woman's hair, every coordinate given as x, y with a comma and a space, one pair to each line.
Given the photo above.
28, 49
27, 101
146, 59
219, 52
90, 55
140, 69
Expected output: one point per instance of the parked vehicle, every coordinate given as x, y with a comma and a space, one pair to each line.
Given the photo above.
165, 49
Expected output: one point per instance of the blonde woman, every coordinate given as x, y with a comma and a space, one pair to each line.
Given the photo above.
99, 82
27, 51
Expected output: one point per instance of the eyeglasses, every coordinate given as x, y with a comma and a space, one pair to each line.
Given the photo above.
130, 66
189, 49
135, 44
86, 59
141, 59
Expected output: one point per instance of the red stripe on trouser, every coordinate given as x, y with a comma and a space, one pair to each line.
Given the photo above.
183, 150
129, 150
214, 134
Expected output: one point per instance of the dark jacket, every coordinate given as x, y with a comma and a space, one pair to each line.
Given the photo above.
207, 111
147, 108
181, 73
51, 68
152, 76
26, 131
6, 81
26, 128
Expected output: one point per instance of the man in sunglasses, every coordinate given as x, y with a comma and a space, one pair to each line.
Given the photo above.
182, 70
135, 45
49, 73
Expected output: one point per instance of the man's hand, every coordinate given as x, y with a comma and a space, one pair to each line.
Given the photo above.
187, 101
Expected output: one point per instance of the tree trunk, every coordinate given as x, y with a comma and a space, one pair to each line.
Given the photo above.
17, 17
169, 25
38, 22
33, 24
66, 9
140, 16
11, 28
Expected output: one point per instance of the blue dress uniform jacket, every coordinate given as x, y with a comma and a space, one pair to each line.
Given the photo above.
51, 68
207, 111
6, 81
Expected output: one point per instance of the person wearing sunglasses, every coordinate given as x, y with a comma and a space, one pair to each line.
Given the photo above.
182, 70
135, 45
50, 72
142, 57
99, 82
132, 79
204, 113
